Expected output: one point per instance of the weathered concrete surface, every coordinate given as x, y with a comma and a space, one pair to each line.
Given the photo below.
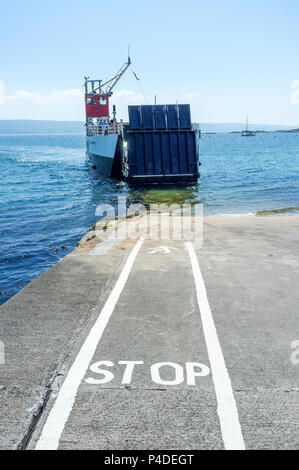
251, 272
40, 328
250, 267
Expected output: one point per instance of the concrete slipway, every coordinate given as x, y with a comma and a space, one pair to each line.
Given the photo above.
230, 307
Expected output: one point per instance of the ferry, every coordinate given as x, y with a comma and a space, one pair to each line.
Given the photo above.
159, 144
104, 134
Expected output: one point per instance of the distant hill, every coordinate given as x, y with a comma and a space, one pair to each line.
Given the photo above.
41, 127
236, 127
280, 131
289, 131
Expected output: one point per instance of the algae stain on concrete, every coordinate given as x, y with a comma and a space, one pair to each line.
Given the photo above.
169, 195
278, 211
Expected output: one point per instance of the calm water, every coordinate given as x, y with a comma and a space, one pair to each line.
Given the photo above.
49, 195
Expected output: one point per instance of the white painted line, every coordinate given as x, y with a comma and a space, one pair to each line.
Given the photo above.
59, 414
102, 248
227, 408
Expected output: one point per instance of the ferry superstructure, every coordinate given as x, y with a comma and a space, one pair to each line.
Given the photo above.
104, 133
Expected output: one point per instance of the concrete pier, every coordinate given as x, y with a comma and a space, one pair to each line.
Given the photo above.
158, 344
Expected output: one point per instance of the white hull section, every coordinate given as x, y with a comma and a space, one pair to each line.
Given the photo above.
101, 151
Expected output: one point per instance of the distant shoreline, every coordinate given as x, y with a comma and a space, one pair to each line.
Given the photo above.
280, 131
27, 126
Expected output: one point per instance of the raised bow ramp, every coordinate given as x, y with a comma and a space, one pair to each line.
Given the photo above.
162, 144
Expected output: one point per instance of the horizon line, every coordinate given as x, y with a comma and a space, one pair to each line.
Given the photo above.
200, 122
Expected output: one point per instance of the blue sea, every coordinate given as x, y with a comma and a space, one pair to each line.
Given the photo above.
49, 195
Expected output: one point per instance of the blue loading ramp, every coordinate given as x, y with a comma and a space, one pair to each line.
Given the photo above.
162, 144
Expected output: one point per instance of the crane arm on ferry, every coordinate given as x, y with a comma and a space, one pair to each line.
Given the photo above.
110, 84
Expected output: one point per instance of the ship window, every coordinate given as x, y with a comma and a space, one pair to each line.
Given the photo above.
91, 100
102, 100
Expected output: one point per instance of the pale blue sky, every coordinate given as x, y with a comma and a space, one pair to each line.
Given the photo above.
233, 57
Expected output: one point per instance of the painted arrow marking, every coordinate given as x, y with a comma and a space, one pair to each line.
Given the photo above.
162, 249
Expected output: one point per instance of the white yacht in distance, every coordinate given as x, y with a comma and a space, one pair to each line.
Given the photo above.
246, 132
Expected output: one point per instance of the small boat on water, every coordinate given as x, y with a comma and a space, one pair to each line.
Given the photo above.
246, 132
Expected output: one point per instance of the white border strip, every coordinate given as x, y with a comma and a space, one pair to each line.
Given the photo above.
59, 414
102, 248
227, 408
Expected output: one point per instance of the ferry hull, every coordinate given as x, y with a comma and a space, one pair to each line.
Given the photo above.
101, 151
